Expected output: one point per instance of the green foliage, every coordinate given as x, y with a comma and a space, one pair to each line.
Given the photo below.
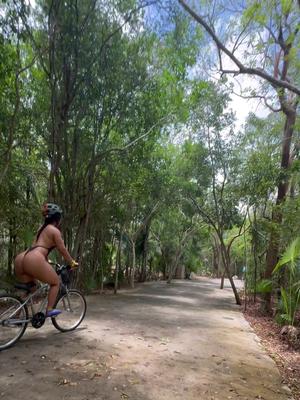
290, 256
290, 297
264, 286
288, 306
258, 150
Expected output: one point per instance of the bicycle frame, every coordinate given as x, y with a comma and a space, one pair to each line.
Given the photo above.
14, 316
29, 301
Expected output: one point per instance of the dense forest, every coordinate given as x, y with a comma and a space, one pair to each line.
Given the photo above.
121, 112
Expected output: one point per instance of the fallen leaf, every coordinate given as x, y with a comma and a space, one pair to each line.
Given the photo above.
133, 381
96, 375
64, 382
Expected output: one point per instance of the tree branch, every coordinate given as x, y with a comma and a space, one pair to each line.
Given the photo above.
256, 96
145, 221
239, 233
130, 144
205, 215
276, 83
107, 39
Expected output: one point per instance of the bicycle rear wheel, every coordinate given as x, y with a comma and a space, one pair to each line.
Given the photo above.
73, 307
12, 325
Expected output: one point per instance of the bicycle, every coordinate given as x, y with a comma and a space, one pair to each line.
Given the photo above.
14, 312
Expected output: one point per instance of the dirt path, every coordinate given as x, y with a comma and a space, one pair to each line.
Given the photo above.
185, 341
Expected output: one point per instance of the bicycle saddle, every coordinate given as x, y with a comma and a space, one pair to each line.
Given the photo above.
25, 286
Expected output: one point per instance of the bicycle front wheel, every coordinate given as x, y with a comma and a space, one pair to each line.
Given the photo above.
13, 317
73, 307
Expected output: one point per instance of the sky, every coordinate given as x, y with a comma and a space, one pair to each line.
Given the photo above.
242, 107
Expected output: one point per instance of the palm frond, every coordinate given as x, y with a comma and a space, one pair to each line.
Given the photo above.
290, 256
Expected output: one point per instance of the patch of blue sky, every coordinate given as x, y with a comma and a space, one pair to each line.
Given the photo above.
158, 18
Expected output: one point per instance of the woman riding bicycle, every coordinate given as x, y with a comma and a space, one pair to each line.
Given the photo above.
33, 263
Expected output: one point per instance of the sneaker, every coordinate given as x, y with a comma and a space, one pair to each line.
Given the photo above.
53, 313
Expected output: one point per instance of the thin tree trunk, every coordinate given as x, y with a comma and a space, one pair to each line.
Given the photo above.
133, 260
255, 257
118, 262
101, 266
170, 273
54, 148
222, 280
226, 262
127, 268
216, 256
11, 252
143, 275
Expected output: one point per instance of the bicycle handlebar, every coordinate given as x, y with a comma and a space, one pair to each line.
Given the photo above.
60, 267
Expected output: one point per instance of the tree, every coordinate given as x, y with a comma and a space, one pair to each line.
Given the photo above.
273, 34
218, 205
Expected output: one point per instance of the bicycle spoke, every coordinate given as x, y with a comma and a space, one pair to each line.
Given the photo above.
13, 320
73, 307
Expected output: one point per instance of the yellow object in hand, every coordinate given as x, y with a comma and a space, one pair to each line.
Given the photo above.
74, 264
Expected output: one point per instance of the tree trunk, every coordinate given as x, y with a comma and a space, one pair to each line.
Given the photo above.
82, 232
216, 260
143, 275
216, 256
274, 241
101, 266
11, 252
174, 265
54, 138
170, 274
118, 263
222, 280
254, 251
132, 272
127, 267
226, 262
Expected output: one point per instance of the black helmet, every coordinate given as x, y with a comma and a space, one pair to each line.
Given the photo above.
50, 209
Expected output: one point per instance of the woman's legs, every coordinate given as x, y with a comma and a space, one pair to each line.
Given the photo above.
34, 264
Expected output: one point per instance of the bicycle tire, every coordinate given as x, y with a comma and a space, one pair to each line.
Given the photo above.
11, 301
61, 321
